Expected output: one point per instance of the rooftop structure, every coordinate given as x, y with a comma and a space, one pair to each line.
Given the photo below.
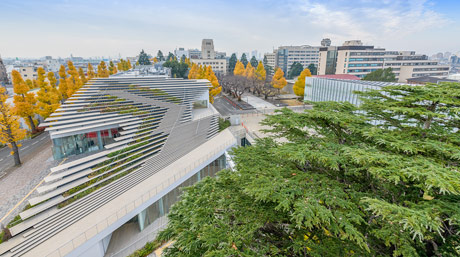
134, 141
318, 89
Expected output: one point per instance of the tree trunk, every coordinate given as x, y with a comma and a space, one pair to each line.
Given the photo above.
17, 160
32, 125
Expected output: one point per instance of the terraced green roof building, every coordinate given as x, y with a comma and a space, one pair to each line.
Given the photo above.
130, 143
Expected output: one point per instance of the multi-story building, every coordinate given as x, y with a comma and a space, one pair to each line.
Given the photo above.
218, 65
305, 55
3, 74
357, 59
28, 72
271, 59
194, 53
134, 141
181, 52
209, 57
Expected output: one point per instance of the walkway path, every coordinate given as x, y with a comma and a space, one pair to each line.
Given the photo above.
19, 181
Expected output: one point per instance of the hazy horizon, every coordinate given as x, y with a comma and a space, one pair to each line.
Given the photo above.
32, 29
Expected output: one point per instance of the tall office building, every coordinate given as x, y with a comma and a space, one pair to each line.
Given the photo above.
134, 141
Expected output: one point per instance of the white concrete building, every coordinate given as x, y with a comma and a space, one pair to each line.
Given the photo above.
356, 59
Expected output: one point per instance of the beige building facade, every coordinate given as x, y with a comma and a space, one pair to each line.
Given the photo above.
218, 65
357, 59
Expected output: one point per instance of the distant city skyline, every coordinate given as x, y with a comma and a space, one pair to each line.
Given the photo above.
32, 29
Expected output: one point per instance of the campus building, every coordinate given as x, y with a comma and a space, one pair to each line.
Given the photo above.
357, 59
288, 55
209, 57
131, 142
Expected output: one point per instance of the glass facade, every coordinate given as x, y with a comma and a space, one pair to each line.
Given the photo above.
321, 90
163, 205
82, 143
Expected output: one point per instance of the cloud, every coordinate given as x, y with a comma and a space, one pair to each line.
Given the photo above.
371, 21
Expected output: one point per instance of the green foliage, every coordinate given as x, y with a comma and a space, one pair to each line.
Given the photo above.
143, 58
254, 62
223, 124
382, 179
244, 60
147, 249
160, 56
312, 69
296, 69
178, 69
386, 75
232, 62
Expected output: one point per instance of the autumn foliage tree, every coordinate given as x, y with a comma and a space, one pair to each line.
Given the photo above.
278, 81
73, 81
299, 85
48, 96
82, 75
90, 72
10, 130
63, 88
24, 101
102, 71
215, 88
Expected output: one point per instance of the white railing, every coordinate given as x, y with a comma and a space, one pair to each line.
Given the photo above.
100, 226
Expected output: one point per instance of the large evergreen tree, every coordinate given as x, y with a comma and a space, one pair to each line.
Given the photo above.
295, 70
254, 61
232, 62
312, 69
143, 58
160, 56
385, 75
382, 179
244, 59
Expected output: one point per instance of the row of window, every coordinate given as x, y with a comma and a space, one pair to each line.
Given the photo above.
361, 70
364, 59
363, 64
365, 53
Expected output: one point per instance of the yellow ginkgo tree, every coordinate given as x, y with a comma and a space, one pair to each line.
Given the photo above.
102, 71
215, 88
278, 81
10, 130
48, 96
90, 73
299, 85
24, 101
239, 69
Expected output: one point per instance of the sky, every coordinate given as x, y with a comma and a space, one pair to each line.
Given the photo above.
90, 28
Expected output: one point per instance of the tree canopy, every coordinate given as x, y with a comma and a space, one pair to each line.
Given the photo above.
10, 131
143, 58
381, 179
295, 70
244, 59
278, 80
160, 56
385, 75
232, 62
313, 69
299, 85
253, 61
178, 69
